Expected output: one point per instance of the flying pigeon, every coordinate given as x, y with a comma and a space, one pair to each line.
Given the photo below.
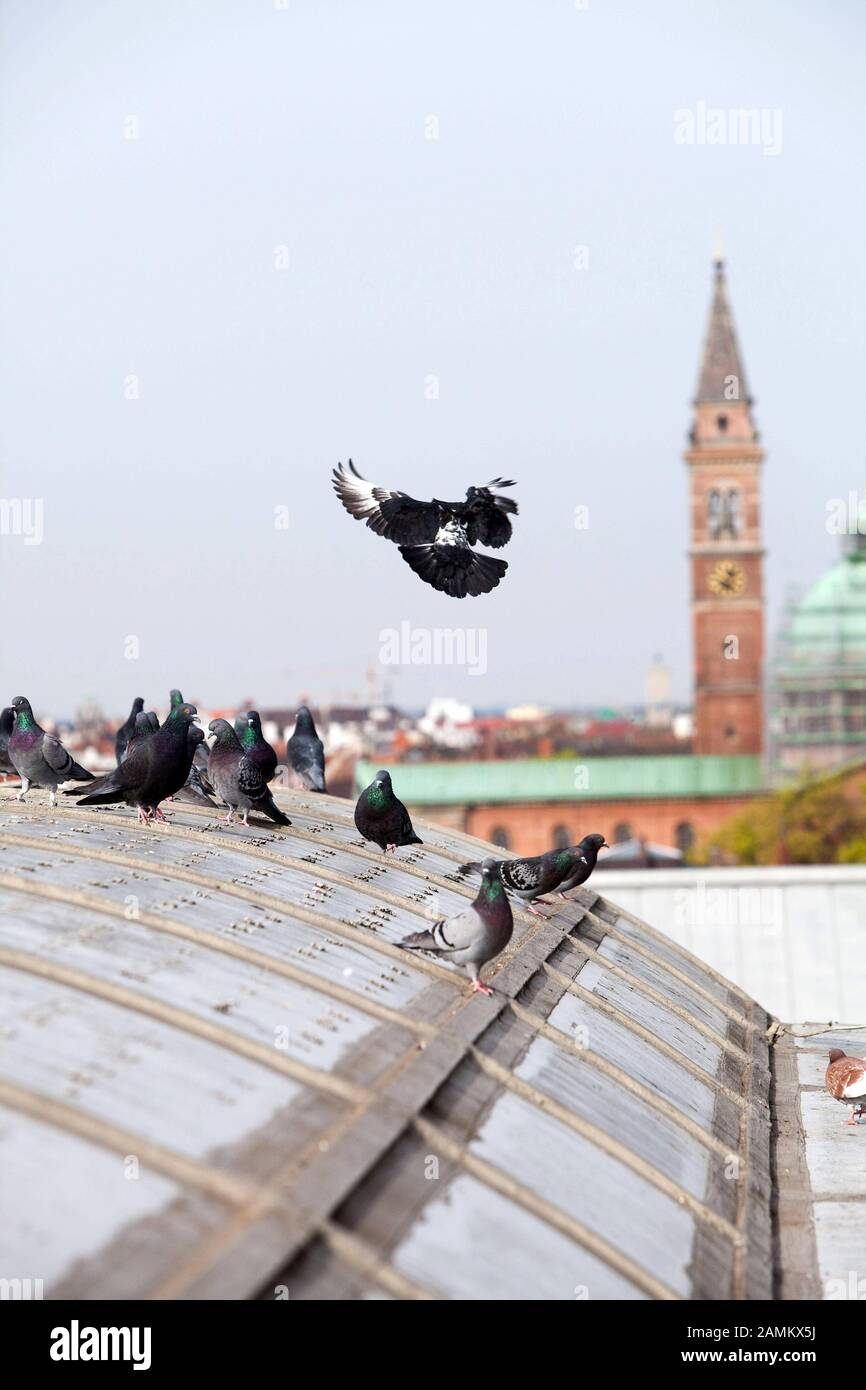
38, 757
305, 754
382, 818
846, 1081
527, 879
122, 737
436, 538
7, 723
156, 766
256, 746
237, 778
589, 848
477, 934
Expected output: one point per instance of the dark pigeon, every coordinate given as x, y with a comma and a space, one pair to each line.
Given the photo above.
122, 737
175, 700
589, 848
256, 746
305, 754
38, 757
156, 766
528, 879
382, 818
241, 724
7, 723
436, 538
237, 779
477, 934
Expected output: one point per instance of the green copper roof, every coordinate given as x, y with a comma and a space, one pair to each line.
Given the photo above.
569, 779
828, 628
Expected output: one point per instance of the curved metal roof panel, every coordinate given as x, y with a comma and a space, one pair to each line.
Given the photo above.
221, 1077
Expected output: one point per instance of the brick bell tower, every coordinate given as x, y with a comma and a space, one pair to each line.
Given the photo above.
724, 462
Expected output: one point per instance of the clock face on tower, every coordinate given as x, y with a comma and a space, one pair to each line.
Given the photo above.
727, 579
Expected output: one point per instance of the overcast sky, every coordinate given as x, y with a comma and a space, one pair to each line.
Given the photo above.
161, 162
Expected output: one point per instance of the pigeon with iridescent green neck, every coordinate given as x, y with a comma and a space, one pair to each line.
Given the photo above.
237, 779
156, 766
589, 848
256, 746
382, 818
477, 934
528, 879
38, 757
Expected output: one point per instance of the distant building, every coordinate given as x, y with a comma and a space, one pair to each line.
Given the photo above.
818, 688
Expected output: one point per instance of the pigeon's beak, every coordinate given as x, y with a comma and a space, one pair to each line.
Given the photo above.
605, 845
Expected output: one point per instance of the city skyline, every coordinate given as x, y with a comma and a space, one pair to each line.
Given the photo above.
449, 277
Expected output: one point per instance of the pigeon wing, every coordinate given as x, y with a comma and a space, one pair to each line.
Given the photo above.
486, 516
394, 515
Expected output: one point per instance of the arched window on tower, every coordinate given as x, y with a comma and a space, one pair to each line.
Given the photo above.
714, 513
561, 837
721, 423
500, 837
732, 517
685, 836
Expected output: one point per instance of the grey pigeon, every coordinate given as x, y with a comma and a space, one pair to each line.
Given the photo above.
528, 879
382, 818
241, 723
589, 848
38, 757
256, 746
305, 754
436, 538
124, 733
155, 767
7, 723
477, 934
237, 779
197, 787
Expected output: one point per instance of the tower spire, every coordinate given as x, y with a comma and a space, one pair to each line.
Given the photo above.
722, 376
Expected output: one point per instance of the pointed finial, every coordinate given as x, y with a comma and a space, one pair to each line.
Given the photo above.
718, 249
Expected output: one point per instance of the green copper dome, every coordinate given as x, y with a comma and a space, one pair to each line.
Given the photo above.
828, 628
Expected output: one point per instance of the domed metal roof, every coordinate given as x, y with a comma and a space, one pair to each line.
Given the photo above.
220, 1077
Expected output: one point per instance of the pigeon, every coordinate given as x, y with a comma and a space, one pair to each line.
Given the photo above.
477, 934
527, 879
155, 767
241, 724
38, 757
144, 724
7, 723
197, 787
380, 817
237, 778
175, 700
436, 538
121, 738
305, 754
589, 848
846, 1081
256, 746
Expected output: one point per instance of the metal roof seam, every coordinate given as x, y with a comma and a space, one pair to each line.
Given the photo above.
502, 1182
185, 1022
605, 1007
678, 1010
653, 934
629, 941
613, 1147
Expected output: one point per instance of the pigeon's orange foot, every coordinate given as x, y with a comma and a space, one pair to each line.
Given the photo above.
479, 988
390, 849
534, 910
